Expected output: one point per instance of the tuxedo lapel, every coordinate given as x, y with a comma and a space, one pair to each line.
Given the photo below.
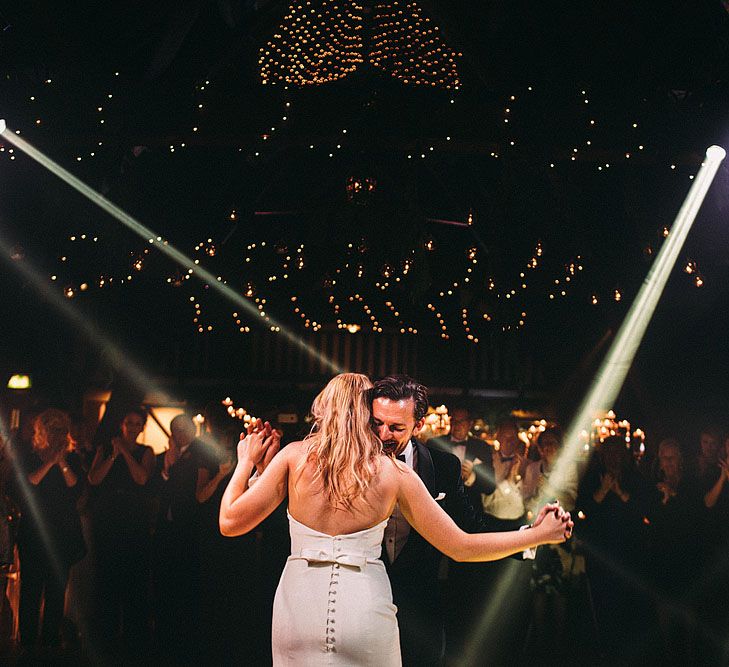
425, 468
473, 450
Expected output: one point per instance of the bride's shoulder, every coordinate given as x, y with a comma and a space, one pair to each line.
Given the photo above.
298, 446
392, 467
295, 450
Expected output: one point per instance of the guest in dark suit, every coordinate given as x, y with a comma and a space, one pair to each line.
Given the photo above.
177, 548
477, 469
399, 405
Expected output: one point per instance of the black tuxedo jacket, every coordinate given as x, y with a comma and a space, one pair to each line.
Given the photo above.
414, 574
476, 450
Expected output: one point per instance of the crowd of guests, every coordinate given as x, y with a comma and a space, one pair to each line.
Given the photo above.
121, 556
646, 578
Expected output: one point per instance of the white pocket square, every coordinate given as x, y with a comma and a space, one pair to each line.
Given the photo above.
440, 496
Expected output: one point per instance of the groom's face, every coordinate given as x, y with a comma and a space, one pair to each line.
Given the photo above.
394, 423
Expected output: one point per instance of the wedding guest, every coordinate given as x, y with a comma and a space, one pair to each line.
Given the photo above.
716, 496
557, 568
177, 566
675, 552
477, 470
538, 481
50, 540
506, 503
465, 583
229, 566
713, 581
121, 513
708, 456
613, 498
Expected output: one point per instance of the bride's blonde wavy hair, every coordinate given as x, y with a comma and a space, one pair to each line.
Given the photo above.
342, 444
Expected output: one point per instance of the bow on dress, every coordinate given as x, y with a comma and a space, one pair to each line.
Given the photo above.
352, 559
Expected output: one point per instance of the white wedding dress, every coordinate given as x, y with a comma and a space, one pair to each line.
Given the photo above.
333, 604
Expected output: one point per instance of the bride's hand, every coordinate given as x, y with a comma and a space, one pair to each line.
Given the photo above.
254, 444
546, 509
251, 427
555, 528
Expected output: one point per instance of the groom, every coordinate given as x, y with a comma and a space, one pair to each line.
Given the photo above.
399, 406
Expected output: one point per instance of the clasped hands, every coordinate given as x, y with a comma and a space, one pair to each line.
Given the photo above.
610, 482
667, 492
553, 512
259, 444
119, 447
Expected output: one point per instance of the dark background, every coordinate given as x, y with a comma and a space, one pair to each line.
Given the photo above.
663, 67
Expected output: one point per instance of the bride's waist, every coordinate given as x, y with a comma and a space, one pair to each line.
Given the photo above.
341, 555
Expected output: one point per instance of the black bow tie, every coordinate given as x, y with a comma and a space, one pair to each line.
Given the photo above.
401, 457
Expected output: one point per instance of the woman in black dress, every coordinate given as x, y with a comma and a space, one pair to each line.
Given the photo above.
676, 552
614, 499
49, 538
121, 511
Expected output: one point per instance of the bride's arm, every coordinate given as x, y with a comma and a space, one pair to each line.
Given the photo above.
429, 519
243, 508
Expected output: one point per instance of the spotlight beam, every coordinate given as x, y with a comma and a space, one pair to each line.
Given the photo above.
31, 503
154, 239
614, 368
119, 358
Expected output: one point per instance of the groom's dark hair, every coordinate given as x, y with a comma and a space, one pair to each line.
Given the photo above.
402, 388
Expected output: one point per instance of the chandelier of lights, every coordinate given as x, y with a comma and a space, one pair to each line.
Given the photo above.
320, 41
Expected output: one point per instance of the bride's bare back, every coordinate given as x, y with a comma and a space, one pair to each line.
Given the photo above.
309, 505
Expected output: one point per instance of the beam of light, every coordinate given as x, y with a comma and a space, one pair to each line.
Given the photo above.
27, 491
496, 620
120, 359
614, 368
180, 258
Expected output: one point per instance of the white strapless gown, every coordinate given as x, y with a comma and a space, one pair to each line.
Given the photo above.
333, 604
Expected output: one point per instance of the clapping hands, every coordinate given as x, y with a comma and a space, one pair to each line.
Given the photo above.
466, 470
609, 482
667, 491
514, 475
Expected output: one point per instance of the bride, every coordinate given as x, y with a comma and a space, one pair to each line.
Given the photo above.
333, 605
